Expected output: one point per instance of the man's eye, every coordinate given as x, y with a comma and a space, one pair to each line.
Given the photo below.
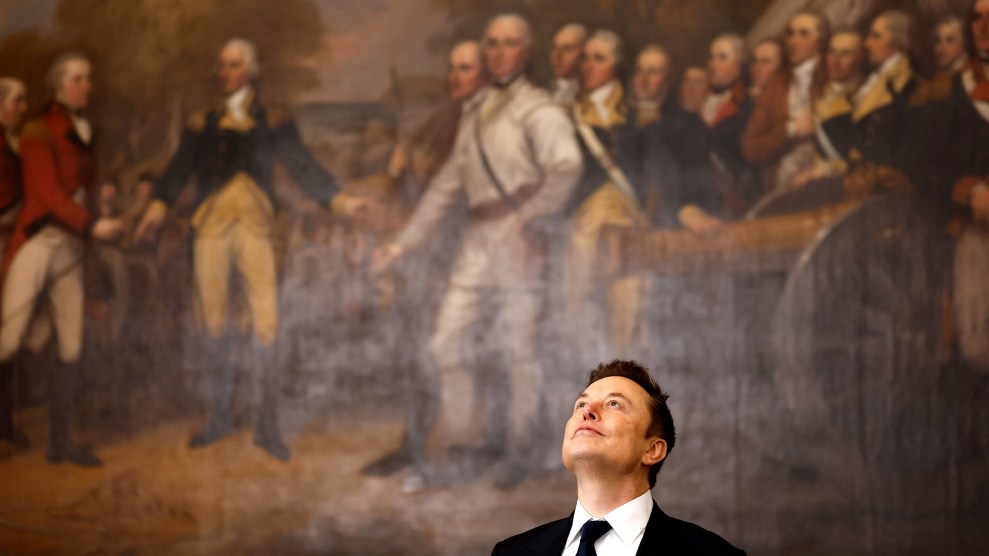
614, 403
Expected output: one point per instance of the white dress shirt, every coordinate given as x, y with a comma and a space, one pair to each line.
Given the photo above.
628, 525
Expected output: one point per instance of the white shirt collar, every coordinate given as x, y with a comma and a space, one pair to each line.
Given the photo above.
805, 71
235, 102
628, 521
601, 95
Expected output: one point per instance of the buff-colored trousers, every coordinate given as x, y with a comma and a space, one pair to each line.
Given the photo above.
491, 307
43, 289
239, 249
625, 294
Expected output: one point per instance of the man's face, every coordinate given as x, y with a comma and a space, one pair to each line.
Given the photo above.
980, 25
505, 51
231, 70
597, 65
879, 43
565, 55
76, 85
949, 45
13, 108
609, 429
844, 57
694, 88
652, 71
802, 38
465, 77
722, 64
766, 62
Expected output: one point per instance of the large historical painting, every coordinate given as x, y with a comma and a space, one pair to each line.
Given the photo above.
326, 276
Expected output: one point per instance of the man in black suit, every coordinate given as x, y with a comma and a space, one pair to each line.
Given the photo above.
615, 443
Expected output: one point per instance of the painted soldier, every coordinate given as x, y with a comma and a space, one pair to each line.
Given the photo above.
465, 78
516, 160
780, 136
231, 150
881, 114
43, 274
726, 111
13, 106
568, 44
666, 126
969, 162
833, 109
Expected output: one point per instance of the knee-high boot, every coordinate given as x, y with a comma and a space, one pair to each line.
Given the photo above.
8, 430
266, 433
61, 407
222, 379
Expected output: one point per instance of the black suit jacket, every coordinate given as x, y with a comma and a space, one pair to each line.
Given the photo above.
664, 535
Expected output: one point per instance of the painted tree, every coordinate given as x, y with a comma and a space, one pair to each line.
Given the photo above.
153, 59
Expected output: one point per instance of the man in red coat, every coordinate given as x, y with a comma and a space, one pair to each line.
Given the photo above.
780, 136
13, 106
42, 264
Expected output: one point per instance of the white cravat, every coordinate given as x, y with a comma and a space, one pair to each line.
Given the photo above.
628, 525
875, 76
235, 104
599, 96
713, 104
83, 128
798, 97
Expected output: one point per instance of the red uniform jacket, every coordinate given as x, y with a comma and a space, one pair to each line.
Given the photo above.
11, 184
56, 164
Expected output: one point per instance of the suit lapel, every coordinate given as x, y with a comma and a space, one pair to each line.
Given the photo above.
656, 539
552, 541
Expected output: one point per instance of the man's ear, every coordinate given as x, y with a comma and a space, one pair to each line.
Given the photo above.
655, 453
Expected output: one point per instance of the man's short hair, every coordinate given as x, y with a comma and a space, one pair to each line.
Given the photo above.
56, 73
250, 55
662, 420
7, 84
737, 43
523, 24
576, 28
898, 25
823, 25
612, 38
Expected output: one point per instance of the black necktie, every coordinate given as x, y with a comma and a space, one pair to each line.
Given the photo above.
589, 534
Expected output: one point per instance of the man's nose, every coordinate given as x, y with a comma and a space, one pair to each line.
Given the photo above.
590, 413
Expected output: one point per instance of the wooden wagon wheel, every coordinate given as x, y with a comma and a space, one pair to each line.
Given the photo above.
856, 331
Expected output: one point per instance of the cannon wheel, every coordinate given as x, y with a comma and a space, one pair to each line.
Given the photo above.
856, 335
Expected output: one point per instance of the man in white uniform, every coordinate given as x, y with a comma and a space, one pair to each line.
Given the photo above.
517, 161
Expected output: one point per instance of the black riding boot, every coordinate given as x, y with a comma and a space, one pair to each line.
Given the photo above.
222, 378
266, 433
8, 430
61, 407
